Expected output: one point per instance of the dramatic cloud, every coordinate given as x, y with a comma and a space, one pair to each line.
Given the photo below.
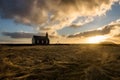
54, 14
112, 31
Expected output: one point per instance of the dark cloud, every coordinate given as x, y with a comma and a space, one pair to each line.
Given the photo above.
53, 15
104, 31
11, 8
40, 11
22, 10
18, 34
112, 30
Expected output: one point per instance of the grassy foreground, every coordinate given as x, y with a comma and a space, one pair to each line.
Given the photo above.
60, 62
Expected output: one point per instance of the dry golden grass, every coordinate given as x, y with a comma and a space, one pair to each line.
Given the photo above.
60, 62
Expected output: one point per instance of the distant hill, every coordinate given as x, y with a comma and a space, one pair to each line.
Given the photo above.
109, 43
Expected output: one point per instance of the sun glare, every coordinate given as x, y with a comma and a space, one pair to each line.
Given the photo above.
96, 39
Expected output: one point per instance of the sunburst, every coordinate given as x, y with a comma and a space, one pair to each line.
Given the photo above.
96, 39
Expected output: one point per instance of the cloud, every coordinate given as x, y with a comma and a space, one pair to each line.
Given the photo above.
119, 1
103, 31
80, 21
8, 39
53, 14
21, 35
18, 35
112, 29
17, 41
111, 32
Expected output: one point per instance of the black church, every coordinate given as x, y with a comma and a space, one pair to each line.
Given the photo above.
40, 40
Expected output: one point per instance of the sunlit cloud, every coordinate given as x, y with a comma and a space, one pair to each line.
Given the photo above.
80, 21
109, 32
54, 14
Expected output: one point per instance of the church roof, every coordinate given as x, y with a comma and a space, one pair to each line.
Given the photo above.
40, 37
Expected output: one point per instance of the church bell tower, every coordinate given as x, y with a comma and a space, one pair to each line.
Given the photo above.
46, 34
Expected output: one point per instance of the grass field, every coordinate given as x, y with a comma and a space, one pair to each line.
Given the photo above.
60, 62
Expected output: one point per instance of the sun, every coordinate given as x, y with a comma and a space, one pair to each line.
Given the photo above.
96, 39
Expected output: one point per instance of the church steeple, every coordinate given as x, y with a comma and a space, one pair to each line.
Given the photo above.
46, 34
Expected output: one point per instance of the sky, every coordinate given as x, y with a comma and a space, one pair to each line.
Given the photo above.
66, 21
